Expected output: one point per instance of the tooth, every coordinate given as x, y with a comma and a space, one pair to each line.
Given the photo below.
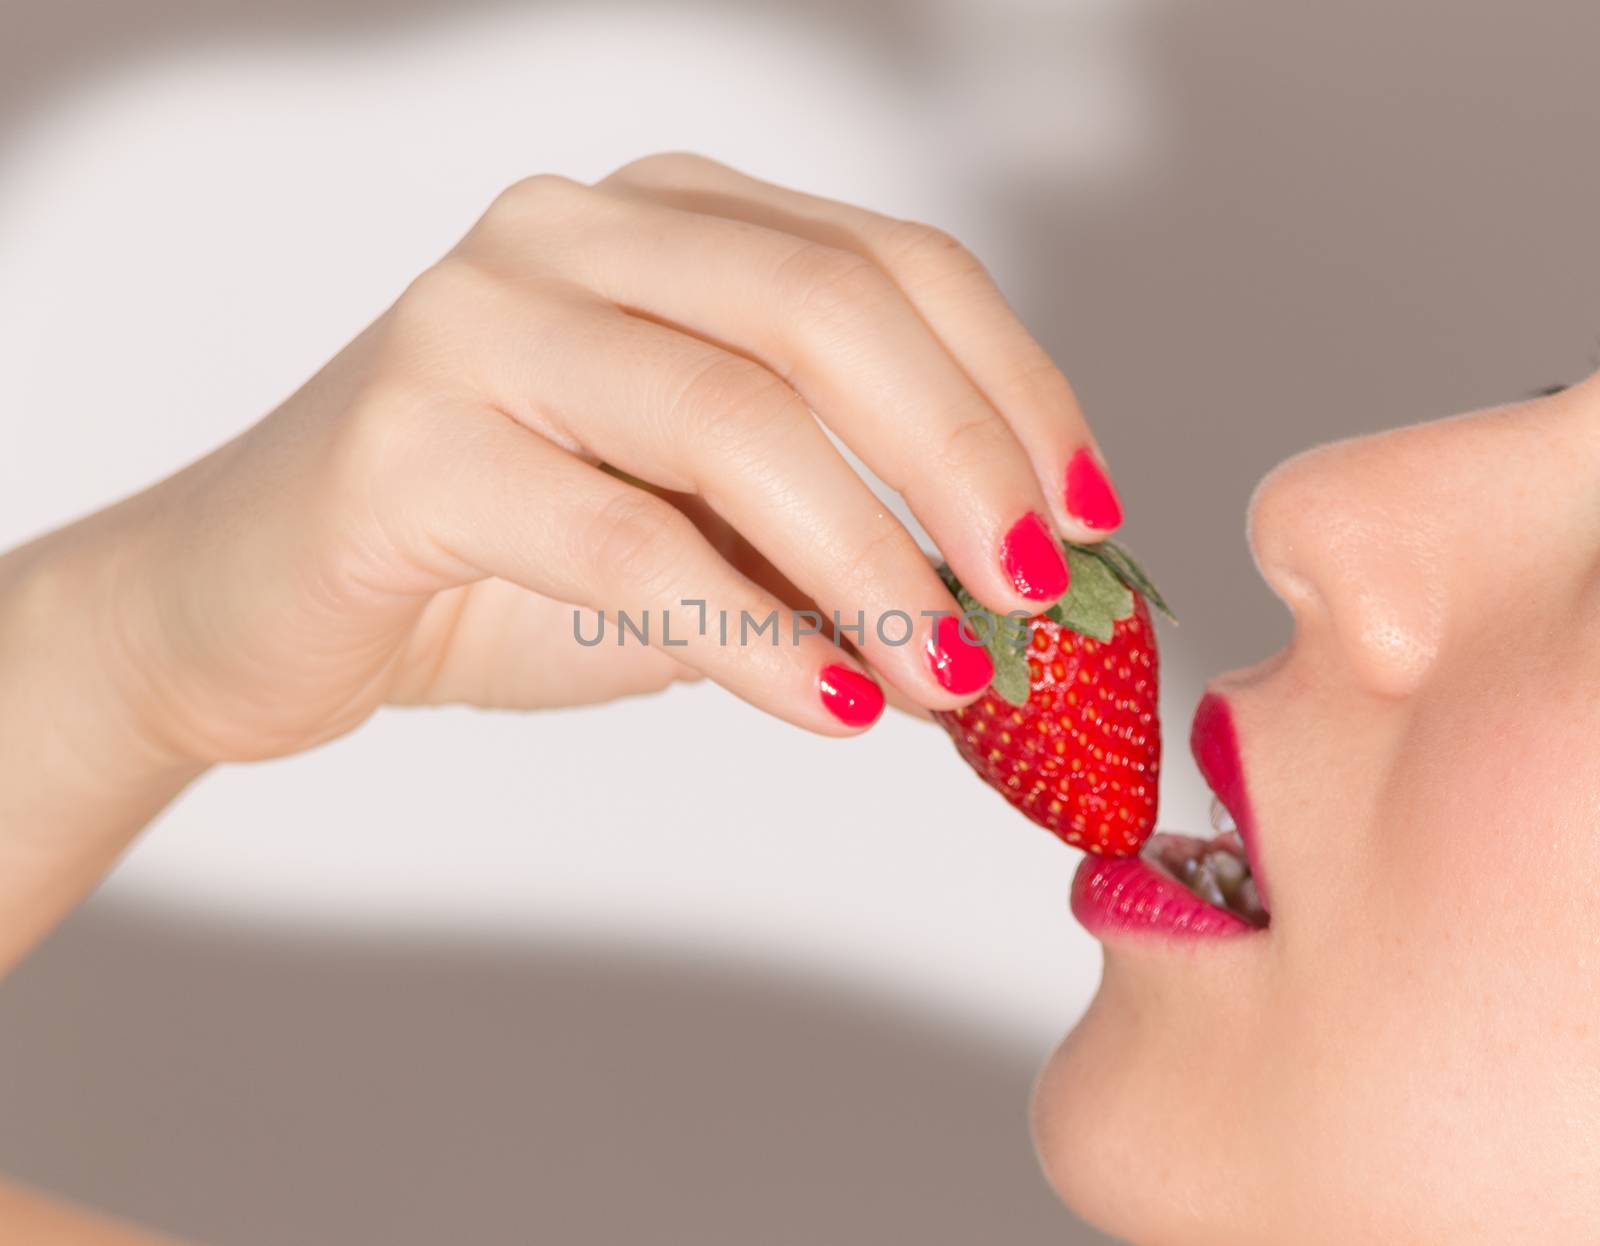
1221, 820
1229, 870
1204, 885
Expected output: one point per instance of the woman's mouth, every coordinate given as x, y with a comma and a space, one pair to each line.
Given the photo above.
1217, 870
1185, 885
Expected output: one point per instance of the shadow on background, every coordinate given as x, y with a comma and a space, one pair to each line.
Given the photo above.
246, 1087
53, 47
1361, 215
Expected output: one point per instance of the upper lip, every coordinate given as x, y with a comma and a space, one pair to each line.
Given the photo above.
1214, 741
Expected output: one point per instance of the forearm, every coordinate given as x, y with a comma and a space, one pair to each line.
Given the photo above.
31, 1217
80, 772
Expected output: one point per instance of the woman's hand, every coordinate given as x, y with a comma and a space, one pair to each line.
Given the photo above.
604, 397
418, 522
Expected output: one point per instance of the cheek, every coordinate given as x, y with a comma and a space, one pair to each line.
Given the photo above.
1490, 822
1461, 1004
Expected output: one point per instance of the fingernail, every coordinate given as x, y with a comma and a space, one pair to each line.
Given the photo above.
850, 696
1034, 561
1090, 498
959, 664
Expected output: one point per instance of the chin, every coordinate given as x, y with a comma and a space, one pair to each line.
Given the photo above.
1138, 1124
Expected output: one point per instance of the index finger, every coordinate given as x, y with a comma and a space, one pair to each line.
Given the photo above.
952, 292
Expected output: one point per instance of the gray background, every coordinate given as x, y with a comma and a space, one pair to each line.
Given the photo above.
455, 978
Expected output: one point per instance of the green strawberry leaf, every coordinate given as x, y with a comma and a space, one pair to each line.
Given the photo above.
1105, 579
1012, 678
1130, 573
1004, 638
1096, 598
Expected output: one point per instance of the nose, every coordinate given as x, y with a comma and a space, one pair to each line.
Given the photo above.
1355, 539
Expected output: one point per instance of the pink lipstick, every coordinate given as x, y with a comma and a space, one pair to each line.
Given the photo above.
1115, 895
1215, 745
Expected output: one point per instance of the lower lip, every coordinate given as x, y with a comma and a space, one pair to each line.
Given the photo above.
1127, 895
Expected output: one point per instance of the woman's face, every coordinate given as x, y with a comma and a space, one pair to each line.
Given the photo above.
1410, 1052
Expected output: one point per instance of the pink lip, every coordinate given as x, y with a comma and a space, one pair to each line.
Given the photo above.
1120, 895
1113, 895
1215, 745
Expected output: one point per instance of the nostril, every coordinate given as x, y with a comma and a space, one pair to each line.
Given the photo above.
1297, 592
1276, 527
1280, 539
1348, 549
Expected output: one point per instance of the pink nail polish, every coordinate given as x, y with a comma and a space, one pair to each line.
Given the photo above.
1090, 498
1034, 561
850, 696
959, 664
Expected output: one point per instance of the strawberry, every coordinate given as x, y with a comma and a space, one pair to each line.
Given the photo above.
1067, 731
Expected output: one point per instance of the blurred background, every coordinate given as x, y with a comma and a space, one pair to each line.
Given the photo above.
623, 974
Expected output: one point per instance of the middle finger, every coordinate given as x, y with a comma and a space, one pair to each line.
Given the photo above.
834, 326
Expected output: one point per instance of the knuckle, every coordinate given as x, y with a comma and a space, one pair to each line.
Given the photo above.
432, 329
531, 206
635, 539
928, 254
1034, 379
732, 405
440, 295
885, 543
664, 168
535, 195
830, 287
975, 439
382, 453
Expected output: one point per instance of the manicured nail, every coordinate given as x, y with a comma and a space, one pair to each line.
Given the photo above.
959, 664
1034, 561
1090, 498
850, 696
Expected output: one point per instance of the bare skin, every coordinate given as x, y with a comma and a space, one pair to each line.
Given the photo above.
28, 1216
1411, 1053
415, 525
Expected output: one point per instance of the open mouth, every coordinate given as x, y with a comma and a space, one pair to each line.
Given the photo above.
1217, 870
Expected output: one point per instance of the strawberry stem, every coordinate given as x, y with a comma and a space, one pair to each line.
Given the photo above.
1105, 580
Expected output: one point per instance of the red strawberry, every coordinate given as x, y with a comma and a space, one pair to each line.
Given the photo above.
1067, 732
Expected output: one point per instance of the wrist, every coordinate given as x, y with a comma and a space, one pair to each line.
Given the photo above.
85, 711
81, 769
